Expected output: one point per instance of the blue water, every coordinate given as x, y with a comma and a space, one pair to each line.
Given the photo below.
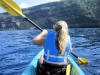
17, 49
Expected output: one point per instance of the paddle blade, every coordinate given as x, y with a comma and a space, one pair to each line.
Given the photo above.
11, 7
82, 60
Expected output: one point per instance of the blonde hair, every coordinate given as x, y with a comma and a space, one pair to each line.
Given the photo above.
61, 28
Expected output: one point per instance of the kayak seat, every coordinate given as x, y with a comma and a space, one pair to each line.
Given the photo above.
51, 69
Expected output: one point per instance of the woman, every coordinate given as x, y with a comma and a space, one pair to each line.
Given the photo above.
57, 46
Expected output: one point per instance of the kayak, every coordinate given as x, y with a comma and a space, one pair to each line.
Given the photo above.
72, 68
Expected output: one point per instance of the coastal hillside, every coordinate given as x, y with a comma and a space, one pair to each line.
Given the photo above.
79, 13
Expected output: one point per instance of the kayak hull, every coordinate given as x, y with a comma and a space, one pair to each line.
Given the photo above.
31, 69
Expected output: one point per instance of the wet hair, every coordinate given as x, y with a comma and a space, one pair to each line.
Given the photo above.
61, 29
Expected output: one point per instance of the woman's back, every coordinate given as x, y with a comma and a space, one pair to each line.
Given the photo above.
51, 53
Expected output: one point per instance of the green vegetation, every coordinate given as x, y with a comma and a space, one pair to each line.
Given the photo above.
88, 11
77, 13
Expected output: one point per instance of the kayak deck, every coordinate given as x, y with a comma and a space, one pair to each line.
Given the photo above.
31, 69
75, 69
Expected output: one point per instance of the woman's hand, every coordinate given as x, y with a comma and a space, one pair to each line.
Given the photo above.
40, 39
44, 32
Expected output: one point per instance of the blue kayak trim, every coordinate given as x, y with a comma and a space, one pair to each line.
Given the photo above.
69, 58
31, 69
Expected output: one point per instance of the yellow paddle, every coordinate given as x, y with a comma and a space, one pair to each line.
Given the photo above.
81, 60
11, 7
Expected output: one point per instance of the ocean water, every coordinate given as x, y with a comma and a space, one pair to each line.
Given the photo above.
17, 49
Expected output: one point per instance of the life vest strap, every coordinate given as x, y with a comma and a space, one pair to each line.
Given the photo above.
55, 56
51, 62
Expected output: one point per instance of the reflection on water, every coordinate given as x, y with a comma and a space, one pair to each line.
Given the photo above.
17, 50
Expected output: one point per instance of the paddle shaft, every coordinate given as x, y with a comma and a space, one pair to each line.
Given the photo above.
33, 23
74, 55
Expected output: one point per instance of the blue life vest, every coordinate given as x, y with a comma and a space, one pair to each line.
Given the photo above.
51, 54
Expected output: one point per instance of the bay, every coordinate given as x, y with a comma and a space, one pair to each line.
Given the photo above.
17, 49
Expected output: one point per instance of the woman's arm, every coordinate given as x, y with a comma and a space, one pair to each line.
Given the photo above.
40, 39
71, 49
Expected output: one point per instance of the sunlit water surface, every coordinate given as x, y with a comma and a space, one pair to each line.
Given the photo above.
17, 49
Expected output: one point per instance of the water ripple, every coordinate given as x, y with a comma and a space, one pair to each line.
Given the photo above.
17, 49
